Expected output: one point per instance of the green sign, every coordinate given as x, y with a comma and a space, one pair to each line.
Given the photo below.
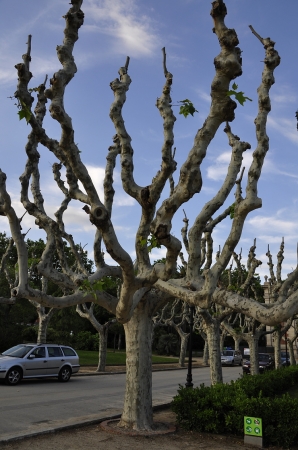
253, 426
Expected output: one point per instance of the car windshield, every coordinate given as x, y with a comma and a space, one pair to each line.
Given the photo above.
227, 353
19, 351
263, 357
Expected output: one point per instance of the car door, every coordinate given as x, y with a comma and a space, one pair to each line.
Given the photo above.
55, 359
36, 363
238, 357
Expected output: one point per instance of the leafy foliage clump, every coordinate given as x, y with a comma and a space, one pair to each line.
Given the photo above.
151, 243
105, 284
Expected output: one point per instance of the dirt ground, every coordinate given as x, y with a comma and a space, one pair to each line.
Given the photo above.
93, 437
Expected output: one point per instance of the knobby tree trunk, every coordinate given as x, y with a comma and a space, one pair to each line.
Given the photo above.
222, 339
102, 349
237, 341
183, 348
291, 351
213, 337
183, 342
277, 351
254, 354
206, 350
43, 322
119, 341
137, 411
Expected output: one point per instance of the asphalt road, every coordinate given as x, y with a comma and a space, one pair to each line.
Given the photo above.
36, 406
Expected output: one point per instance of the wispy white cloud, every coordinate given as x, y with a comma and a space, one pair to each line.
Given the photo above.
218, 169
131, 31
12, 50
283, 95
274, 224
204, 95
286, 127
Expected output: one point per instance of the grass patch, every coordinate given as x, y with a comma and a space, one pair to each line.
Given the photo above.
90, 358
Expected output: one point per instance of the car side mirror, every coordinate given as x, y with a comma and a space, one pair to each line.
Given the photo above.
31, 356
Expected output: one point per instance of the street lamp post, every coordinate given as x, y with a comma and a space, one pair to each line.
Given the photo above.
189, 383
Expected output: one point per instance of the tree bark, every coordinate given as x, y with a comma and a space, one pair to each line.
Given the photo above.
237, 341
213, 336
119, 341
206, 353
183, 348
254, 354
277, 355
291, 351
102, 349
137, 411
43, 322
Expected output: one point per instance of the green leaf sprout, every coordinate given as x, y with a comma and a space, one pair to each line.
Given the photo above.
187, 107
239, 96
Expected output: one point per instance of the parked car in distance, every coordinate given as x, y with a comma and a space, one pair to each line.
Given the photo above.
38, 361
266, 362
285, 359
231, 358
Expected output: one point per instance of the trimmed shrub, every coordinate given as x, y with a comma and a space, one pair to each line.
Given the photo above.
221, 408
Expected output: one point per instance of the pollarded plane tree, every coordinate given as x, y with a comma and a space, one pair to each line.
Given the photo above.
87, 312
207, 321
291, 340
137, 304
272, 292
9, 268
5, 269
242, 327
44, 314
175, 315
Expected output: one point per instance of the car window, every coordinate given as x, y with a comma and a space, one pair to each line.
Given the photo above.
39, 352
68, 351
263, 357
54, 352
19, 351
227, 353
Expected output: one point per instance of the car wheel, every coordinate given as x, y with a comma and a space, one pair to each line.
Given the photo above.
64, 374
240, 362
233, 363
14, 376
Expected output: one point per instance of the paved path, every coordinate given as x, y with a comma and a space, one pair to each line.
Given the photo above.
38, 406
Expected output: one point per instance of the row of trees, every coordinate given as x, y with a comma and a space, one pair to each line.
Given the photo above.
174, 315
144, 287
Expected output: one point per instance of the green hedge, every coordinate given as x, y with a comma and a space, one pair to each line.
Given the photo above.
221, 408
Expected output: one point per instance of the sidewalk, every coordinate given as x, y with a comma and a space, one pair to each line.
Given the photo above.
88, 420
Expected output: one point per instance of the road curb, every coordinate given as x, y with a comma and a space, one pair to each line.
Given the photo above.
81, 374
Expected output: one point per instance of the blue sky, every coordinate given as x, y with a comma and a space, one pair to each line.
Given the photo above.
114, 29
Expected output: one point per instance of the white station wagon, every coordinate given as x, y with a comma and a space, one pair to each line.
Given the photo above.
38, 361
231, 357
